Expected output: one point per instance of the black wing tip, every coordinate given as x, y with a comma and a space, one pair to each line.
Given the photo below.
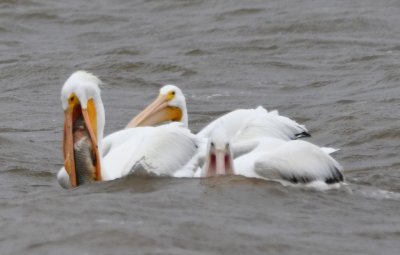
303, 179
336, 177
302, 135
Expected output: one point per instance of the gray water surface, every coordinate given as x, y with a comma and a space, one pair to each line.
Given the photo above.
331, 65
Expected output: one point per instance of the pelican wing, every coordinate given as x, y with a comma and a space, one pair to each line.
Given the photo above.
269, 124
159, 150
298, 162
231, 122
244, 124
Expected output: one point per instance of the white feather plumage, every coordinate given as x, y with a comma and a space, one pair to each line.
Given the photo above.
290, 161
245, 124
161, 150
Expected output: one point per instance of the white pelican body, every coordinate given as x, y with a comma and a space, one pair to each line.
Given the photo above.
161, 150
290, 162
296, 163
245, 124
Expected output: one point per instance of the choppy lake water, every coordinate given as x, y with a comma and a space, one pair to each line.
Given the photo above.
331, 65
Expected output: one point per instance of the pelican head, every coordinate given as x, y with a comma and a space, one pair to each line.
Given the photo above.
83, 127
219, 159
170, 105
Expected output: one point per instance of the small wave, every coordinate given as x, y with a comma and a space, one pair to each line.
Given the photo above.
239, 12
248, 48
285, 65
197, 52
346, 101
16, 2
125, 51
328, 26
79, 20
175, 5
315, 185
22, 171
216, 95
319, 84
38, 16
133, 183
363, 58
23, 130
331, 42
379, 194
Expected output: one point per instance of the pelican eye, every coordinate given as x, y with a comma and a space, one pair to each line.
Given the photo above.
72, 99
212, 144
170, 95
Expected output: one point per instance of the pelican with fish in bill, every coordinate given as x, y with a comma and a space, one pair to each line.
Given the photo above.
161, 150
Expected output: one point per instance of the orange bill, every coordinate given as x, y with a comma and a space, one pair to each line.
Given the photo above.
89, 116
156, 113
68, 146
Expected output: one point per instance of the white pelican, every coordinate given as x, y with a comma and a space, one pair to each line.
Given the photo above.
295, 162
162, 150
240, 125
